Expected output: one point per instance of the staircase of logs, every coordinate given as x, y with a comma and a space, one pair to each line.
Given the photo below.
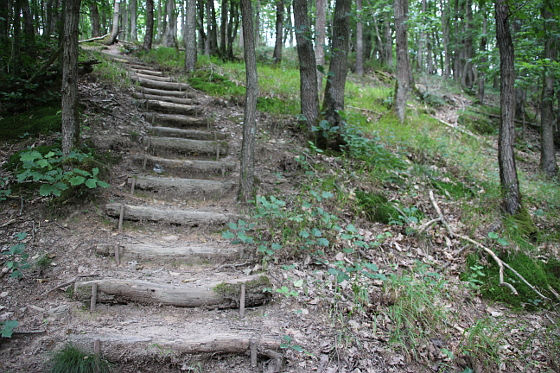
163, 286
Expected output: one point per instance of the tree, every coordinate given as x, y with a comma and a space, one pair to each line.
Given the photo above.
309, 95
359, 40
70, 115
506, 157
548, 159
115, 27
247, 174
277, 55
149, 36
404, 72
170, 36
94, 18
333, 103
190, 36
132, 7
320, 36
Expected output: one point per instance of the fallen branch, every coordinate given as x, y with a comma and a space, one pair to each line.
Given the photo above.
93, 39
501, 263
70, 282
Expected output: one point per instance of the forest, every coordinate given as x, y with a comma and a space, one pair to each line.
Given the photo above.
380, 177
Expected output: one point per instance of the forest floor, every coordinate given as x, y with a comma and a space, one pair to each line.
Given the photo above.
328, 330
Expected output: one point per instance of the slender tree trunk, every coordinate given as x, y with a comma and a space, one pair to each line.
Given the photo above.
148, 38
223, 28
359, 40
422, 39
70, 115
257, 23
4, 7
548, 157
233, 27
15, 58
388, 46
277, 55
28, 29
403, 62
483, 61
307, 67
132, 12
506, 156
170, 37
115, 27
94, 18
446, 39
320, 37
333, 103
200, 24
208, 30
247, 174
190, 36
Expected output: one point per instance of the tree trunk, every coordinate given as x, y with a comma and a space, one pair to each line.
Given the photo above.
320, 36
70, 115
94, 18
247, 171
359, 40
223, 29
233, 27
115, 27
333, 104
28, 29
506, 156
548, 157
200, 23
190, 36
403, 62
4, 23
132, 12
148, 38
277, 55
307, 67
15, 58
170, 37
483, 61
388, 46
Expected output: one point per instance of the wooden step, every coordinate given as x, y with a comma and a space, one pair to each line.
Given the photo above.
187, 167
185, 134
169, 86
175, 100
169, 107
201, 293
177, 120
169, 145
154, 252
189, 218
179, 187
160, 92
153, 77
148, 72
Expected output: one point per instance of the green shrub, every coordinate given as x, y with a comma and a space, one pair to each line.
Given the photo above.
42, 120
71, 359
376, 207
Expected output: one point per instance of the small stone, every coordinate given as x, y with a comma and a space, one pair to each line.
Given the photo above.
4, 294
60, 311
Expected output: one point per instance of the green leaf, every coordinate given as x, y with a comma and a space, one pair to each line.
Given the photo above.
30, 156
323, 241
47, 189
91, 183
503, 241
351, 228
228, 235
298, 283
7, 328
76, 180
371, 266
21, 235
493, 235
276, 246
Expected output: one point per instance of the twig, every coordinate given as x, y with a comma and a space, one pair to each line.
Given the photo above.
93, 39
368, 110
501, 263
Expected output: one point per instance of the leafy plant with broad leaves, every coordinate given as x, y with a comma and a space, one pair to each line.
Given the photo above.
17, 257
7, 328
50, 172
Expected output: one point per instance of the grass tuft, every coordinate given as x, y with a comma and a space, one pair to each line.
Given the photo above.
71, 359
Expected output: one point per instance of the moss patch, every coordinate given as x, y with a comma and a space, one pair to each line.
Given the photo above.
43, 120
453, 188
254, 289
544, 275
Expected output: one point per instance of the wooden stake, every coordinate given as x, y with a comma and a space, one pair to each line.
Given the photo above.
117, 254
144, 162
93, 297
97, 347
121, 217
133, 184
242, 302
218, 153
253, 347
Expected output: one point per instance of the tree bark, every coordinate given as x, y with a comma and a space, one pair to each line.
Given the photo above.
132, 12
320, 36
170, 37
115, 27
483, 61
506, 157
148, 38
403, 62
190, 36
70, 115
548, 152
94, 17
277, 55
359, 40
247, 171
333, 104
309, 95
15, 58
